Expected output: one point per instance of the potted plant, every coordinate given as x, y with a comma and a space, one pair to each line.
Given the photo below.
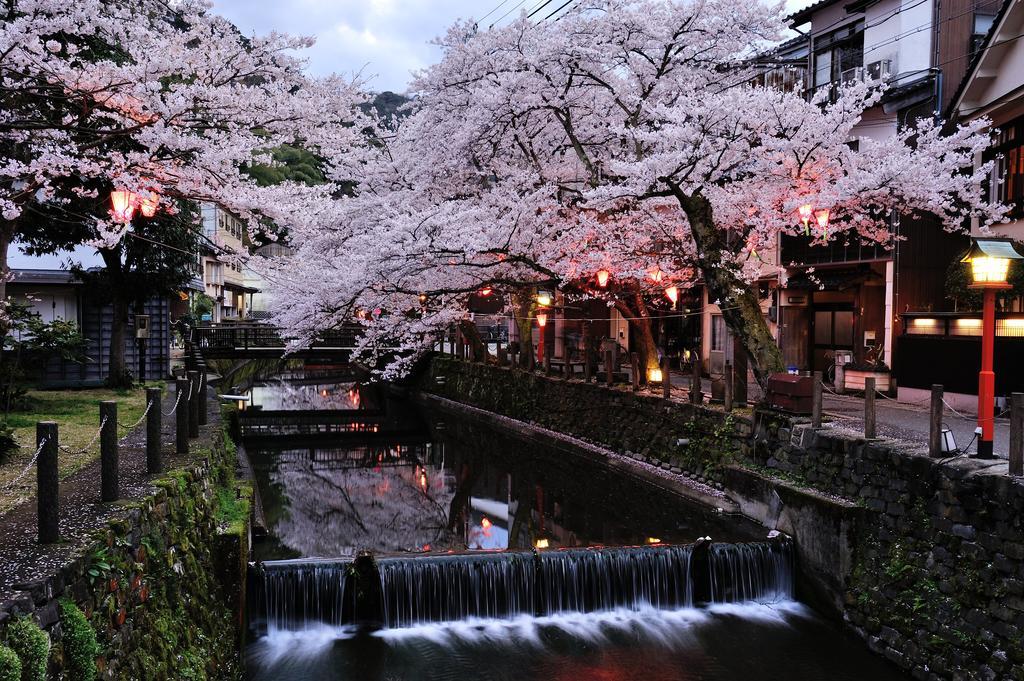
855, 373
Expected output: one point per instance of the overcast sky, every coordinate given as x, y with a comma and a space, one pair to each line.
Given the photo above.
385, 39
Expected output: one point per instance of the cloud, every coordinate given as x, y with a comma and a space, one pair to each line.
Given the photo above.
385, 39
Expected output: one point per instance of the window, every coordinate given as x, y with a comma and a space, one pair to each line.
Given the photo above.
1008, 170
717, 333
982, 25
837, 53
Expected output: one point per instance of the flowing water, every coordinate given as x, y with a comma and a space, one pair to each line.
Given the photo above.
495, 559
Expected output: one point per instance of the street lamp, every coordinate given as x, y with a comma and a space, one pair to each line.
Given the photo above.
990, 263
602, 278
122, 205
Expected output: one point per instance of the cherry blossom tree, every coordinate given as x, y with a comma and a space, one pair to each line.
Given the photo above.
625, 136
161, 98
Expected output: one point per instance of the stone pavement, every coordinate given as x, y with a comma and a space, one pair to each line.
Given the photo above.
897, 420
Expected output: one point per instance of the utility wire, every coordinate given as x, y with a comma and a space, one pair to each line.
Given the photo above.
513, 9
539, 7
493, 10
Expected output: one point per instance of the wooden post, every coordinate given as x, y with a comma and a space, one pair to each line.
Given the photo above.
193, 404
567, 365
634, 371
869, 408
609, 371
816, 398
840, 384
203, 405
47, 483
727, 394
109, 487
1016, 433
696, 395
154, 464
531, 356
935, 423
666, 379
588, 364
181, 415
547, 362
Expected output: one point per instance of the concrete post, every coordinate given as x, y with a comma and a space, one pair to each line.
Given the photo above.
727, 393
154, 464
109, 484
869, 408
634, 371
193, 404
666, 379
181, 415
1017, 434
840, 384
47, 483
935, 422
816, 398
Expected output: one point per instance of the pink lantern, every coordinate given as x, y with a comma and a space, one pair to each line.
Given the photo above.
602, 278
542, 320
822, 217
122, 205
672, 293
149, 205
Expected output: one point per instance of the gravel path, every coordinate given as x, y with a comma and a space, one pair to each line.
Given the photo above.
23, 559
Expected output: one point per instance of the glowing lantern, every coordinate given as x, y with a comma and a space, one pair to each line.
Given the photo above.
542, 544
653, 540
423, 298
544, 298
602, 278
486, 291
149, 205
542, 320
672, 293
806, 211
822, 217
656, 275
122, 205
485, 523
654, 375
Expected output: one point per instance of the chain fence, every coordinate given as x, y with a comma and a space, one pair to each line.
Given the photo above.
28, 466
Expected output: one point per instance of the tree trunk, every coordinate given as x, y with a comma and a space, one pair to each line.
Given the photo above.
522, 307
735, 297
633, 307
477, 348
6, 236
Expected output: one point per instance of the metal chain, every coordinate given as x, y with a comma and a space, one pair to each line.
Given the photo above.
86, 448
178, 401
28, 466
149, 405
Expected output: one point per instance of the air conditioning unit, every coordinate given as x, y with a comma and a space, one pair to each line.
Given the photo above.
852, 75
880, 70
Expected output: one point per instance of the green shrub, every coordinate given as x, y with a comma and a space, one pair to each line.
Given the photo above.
79, 640
10, 665
32, 645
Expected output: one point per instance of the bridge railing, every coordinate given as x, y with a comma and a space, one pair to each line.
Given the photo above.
262, 336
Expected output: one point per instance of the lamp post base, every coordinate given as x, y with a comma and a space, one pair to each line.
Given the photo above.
985, 450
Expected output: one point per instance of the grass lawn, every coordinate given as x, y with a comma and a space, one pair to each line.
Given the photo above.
77, 414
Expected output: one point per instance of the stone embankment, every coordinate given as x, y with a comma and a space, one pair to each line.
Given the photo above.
154, 595
922, 557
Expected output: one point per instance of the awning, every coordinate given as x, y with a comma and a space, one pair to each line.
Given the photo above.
241, 288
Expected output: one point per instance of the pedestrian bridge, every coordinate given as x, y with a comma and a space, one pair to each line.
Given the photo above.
263, 341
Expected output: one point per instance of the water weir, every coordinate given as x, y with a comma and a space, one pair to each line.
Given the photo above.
401, 592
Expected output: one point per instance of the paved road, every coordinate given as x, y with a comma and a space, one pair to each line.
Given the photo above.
897, 420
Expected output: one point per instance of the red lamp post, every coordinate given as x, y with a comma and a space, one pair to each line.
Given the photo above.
990, 263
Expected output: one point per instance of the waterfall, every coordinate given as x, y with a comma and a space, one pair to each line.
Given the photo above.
446, 588
588, 580
751, 572
449, 588
298, 593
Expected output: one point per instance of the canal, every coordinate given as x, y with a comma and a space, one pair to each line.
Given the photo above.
410, 543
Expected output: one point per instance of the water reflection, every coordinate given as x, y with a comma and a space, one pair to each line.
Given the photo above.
451, 486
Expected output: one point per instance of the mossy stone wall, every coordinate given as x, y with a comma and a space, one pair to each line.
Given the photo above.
150, 589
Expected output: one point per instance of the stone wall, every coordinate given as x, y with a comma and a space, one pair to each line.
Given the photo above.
695, 440
937, 578
923, 558
148, 585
